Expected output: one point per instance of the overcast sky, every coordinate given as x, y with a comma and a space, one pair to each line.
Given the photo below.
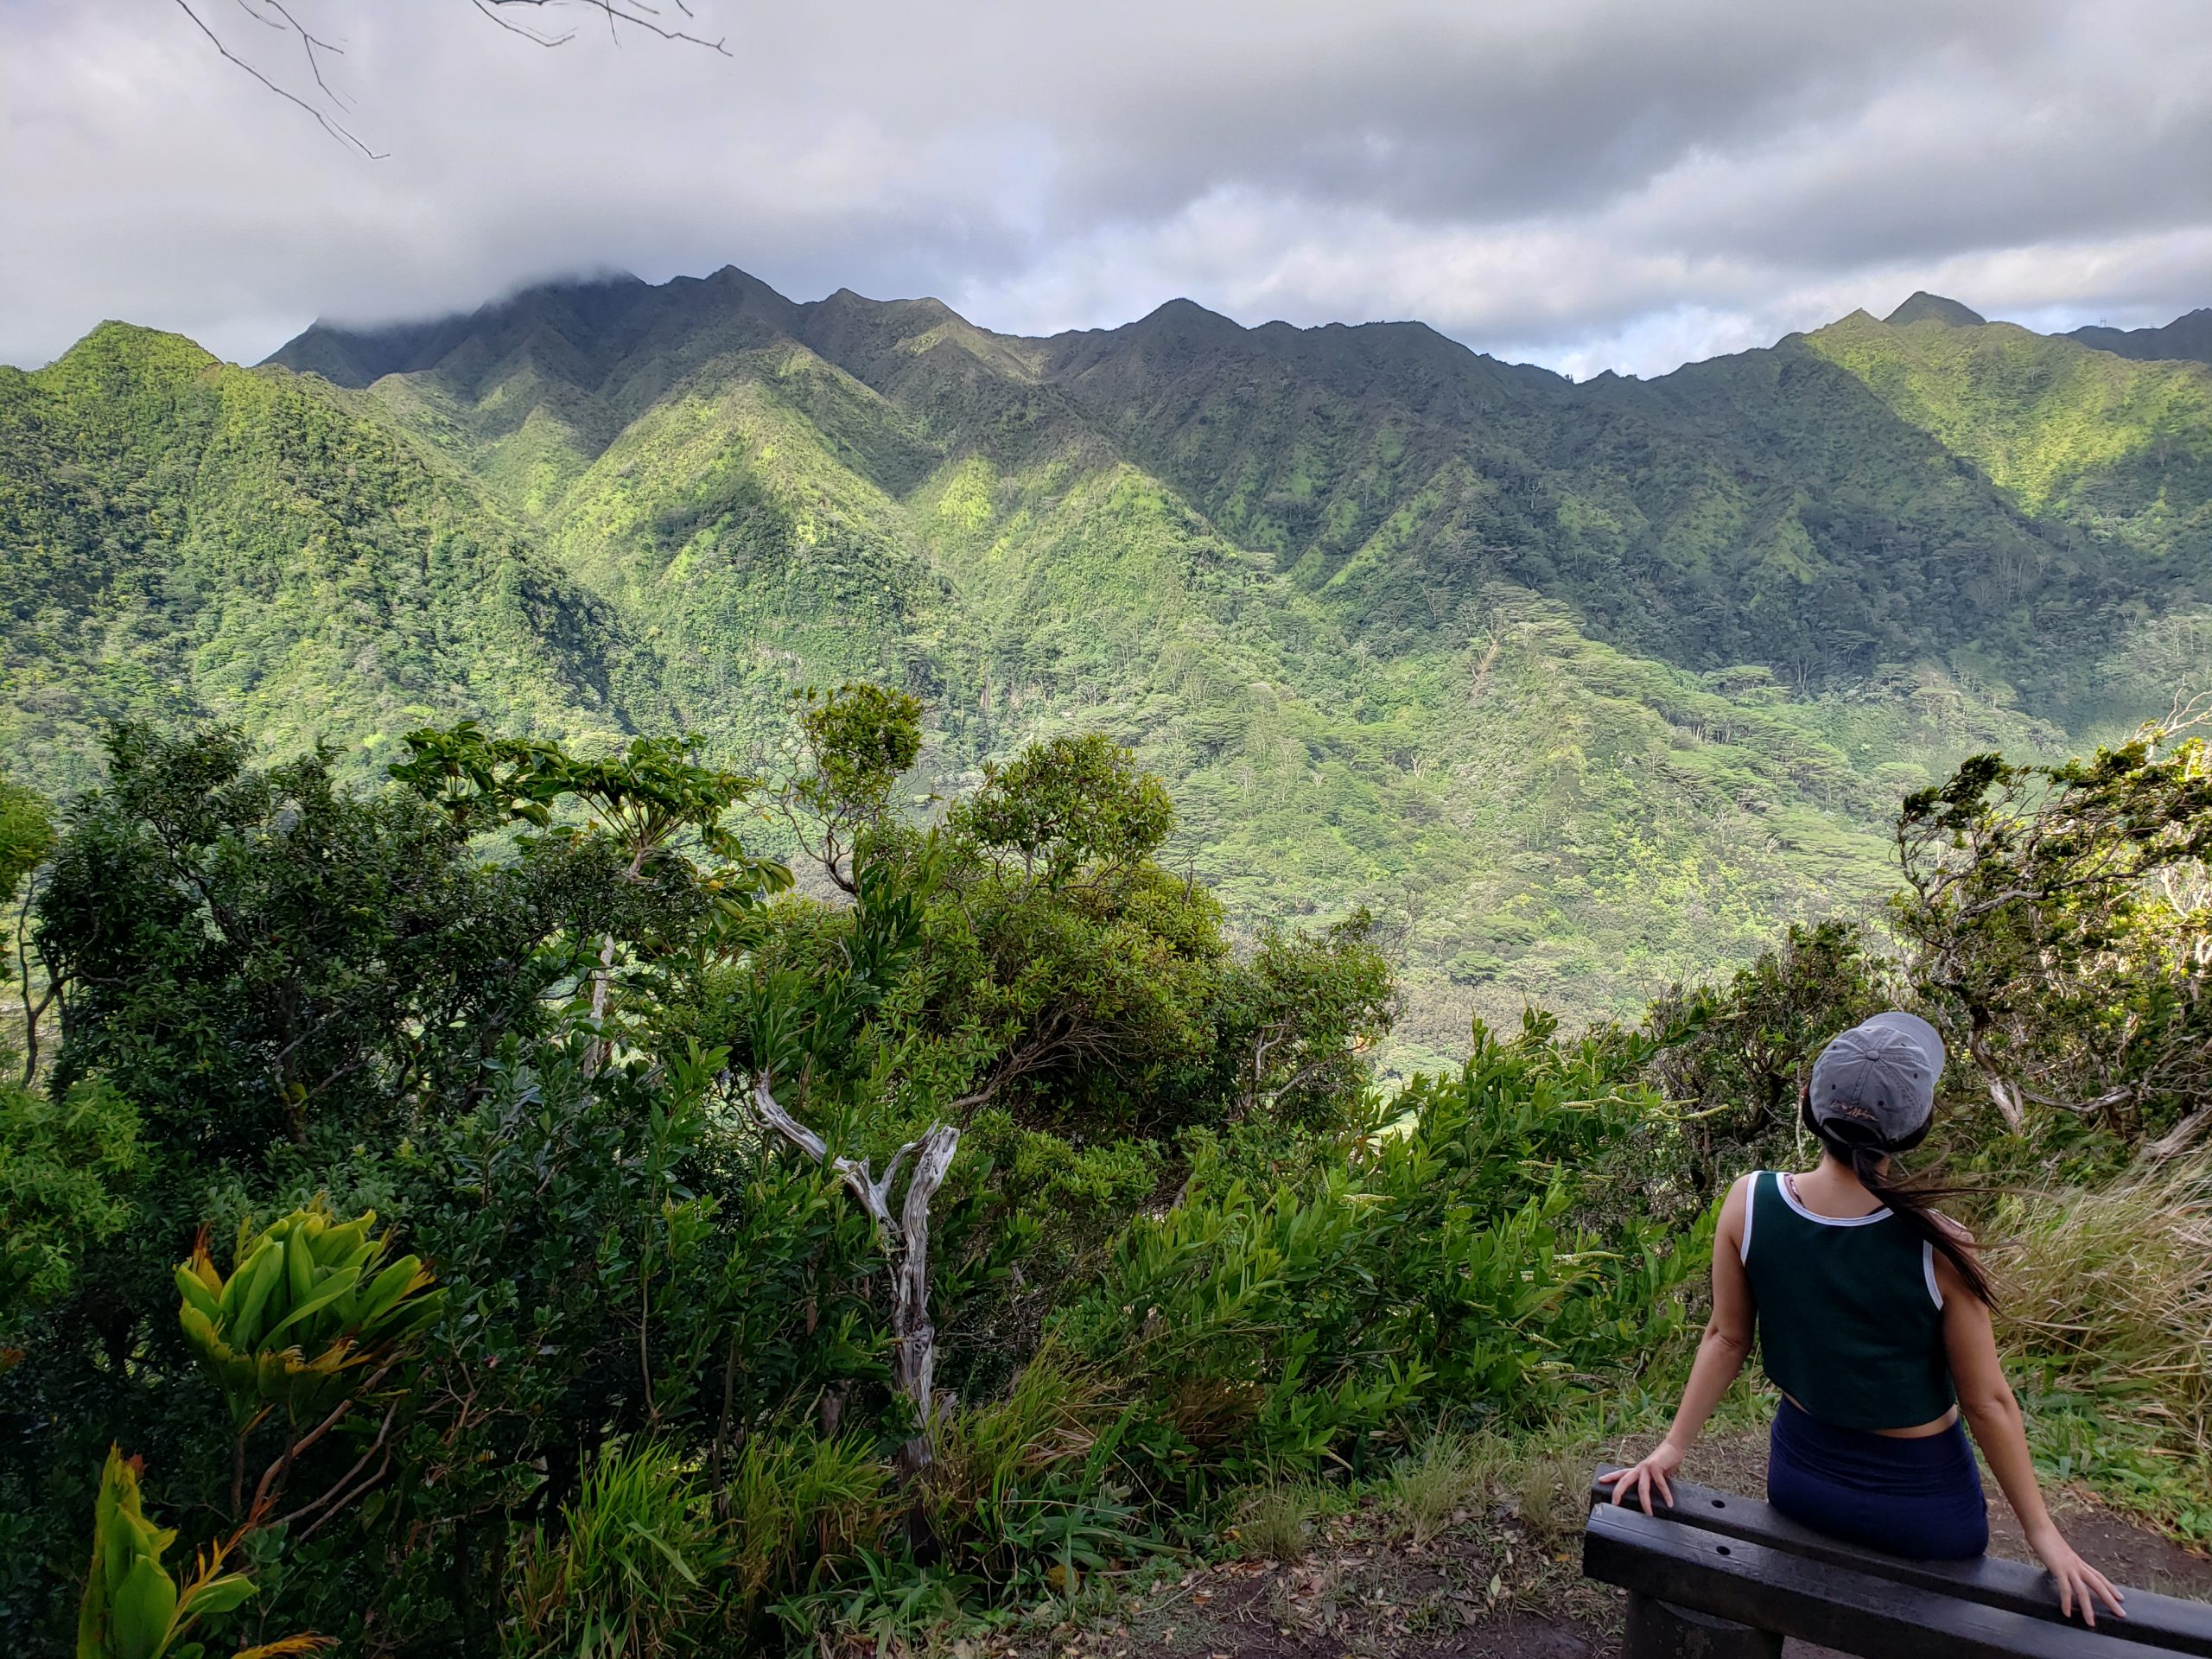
1589, 184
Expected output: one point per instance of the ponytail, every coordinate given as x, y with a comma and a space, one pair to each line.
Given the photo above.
1913, 1202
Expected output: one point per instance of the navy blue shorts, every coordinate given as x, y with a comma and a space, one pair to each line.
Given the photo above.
1919, 1497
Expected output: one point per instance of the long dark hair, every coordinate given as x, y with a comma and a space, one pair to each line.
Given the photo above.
1913, 1202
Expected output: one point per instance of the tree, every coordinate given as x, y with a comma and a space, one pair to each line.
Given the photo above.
1299, 1020
858, 741
26, 842
1074, 806
2063, 916
664, 813
242, 952
1732, 1058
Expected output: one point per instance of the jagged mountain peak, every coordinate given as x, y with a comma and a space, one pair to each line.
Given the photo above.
1924, 307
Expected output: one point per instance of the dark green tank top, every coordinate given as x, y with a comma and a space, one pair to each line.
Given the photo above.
1850, 1318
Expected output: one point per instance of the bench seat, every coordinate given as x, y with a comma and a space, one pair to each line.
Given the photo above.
1737, 1559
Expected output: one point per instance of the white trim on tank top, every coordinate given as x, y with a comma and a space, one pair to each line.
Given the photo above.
1790, 1196
1751, 1207
1927, 1272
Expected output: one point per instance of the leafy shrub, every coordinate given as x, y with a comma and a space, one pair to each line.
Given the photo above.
1484, 1252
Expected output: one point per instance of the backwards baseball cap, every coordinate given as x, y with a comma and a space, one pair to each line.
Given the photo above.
1879, 1078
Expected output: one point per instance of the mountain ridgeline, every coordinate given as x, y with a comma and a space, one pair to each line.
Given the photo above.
1584, 687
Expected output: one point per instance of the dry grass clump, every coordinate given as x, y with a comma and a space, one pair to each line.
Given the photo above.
1551, 1491
1449, 1473
2110, 1292
1273, 1522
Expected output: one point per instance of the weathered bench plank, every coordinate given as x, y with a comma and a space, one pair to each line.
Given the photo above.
1815, 1601
2161, 1622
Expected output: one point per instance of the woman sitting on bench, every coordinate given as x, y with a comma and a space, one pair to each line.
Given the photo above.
1872, 1313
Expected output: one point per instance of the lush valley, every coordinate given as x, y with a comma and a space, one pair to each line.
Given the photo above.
1582, 688
460, 1161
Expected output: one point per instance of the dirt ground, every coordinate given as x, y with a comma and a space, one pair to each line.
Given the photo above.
1504, 1585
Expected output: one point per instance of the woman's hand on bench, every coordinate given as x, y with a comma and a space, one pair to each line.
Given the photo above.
1661, 1461
2078, 1582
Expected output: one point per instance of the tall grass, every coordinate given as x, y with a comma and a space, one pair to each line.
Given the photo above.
2109, 1293
802, 1510
629, 1574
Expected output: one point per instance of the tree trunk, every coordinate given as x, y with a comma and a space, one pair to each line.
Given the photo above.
906, 1241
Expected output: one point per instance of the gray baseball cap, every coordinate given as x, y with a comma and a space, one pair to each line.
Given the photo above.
1880, 1075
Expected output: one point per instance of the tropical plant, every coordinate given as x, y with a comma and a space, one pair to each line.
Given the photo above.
311, 1320
132, 1608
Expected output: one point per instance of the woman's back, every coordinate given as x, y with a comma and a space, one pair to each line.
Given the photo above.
1849, 1316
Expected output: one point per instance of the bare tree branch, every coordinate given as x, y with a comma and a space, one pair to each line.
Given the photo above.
334, 129
906, 1240
278, 15
636, 13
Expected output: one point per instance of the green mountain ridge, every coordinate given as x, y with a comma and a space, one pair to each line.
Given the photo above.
2187, 337
1582, 686
185, 539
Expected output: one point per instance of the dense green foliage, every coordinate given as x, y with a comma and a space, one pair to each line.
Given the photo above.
1402, 628
179, 537
533, 1330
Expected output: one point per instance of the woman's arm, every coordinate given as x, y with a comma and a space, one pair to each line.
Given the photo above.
1986, 1398
1720, 1355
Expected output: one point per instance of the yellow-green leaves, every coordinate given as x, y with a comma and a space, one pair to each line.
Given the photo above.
132, 1609
309, 1305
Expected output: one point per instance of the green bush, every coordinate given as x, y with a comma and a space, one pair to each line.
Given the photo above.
1485, 1251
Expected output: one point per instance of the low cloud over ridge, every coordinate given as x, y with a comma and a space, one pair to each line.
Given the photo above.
1590, 184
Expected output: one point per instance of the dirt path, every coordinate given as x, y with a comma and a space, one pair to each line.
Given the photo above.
1504, 1585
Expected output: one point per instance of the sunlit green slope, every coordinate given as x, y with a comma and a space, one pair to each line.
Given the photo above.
1580, 687
182, 539
2120, 449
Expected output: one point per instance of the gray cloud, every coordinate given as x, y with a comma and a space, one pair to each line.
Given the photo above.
1593, 183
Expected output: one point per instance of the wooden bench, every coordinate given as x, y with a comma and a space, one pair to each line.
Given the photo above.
1720, 1577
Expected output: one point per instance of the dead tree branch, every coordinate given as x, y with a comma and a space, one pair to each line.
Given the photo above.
906, 1241
653, 19
335, 129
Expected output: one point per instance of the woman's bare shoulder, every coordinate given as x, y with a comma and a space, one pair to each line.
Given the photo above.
1959, 1233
